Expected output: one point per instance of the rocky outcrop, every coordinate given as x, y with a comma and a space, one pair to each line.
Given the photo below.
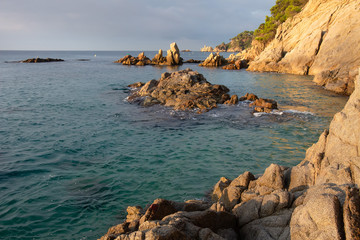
192, 61
172, 58
206, 49
322, 40
140, 60
213, 60
317, 199
41, 60
182, 90
259, 104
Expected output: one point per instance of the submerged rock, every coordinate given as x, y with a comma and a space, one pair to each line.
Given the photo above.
182, 90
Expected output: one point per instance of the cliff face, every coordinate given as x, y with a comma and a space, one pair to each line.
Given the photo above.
322, 40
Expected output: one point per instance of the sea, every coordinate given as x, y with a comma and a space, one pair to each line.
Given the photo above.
74, 153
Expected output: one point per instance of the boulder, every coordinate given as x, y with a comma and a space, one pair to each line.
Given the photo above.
140, 60
249, 97
351, 212
173, 57
264, 105
158, 210
233, 100
213, 60
182, 90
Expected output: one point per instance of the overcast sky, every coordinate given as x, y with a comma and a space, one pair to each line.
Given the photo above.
125, 24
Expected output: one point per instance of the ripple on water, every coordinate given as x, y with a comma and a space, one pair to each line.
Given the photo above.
74, 154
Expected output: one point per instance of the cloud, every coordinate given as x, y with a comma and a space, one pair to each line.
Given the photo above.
125, 24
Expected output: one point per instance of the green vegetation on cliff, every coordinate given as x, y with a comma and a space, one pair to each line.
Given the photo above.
282, 10
238, 43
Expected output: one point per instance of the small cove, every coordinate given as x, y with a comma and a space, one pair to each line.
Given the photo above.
74, 154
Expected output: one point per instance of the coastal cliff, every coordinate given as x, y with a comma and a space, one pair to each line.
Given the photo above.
317, 199
322, 40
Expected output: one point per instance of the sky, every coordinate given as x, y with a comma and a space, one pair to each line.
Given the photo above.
125, 24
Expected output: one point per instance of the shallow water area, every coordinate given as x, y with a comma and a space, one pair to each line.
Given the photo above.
74, 154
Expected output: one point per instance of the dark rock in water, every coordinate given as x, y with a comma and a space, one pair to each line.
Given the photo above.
182, 90
40, 60
192, 61
83, 60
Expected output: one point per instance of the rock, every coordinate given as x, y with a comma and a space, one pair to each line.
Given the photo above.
233, 100
213, 60
264, 105
158, 210
41, 60
186, 50
275, 226
136, 85
158, 58
219, 188
134, 213
261, 206
173, 57
182, 90
140, 60
318, 218
351, 211
192, 61
249, 97
322, 40
207, 234
231, 195
273, 178
206, 49
165, 232
230, 67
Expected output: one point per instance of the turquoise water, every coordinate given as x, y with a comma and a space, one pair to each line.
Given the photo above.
74, 154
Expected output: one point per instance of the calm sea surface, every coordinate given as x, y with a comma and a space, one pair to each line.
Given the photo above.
74, 154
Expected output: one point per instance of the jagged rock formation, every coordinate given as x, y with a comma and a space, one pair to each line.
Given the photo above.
322, 40
207, 49
182, 90
140, 60
172, 58
213, 60
317, 199
41, 60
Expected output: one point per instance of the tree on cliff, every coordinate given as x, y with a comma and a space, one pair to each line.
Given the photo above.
282, 10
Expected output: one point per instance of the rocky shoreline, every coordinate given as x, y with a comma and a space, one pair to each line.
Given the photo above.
317, 199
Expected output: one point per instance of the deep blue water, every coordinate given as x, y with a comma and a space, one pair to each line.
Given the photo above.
74, 154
